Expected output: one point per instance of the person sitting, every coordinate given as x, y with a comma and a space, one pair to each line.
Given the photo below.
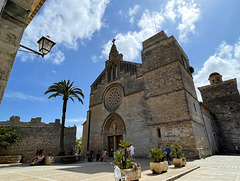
39, 158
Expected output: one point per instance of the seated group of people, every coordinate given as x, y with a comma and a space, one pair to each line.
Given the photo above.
38, 159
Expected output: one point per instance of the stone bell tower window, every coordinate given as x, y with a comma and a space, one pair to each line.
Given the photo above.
112, 72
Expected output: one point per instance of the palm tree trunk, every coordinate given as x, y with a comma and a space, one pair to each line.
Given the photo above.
62, 151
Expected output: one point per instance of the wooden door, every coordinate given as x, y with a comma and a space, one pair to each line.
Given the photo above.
110, 145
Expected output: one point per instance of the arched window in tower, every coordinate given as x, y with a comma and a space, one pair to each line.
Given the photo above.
110, 73
114, 75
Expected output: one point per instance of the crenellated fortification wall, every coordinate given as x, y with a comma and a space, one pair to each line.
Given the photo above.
38, 135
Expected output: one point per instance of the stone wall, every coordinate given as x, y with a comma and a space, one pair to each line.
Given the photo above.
38, 135
223, 99
211, 128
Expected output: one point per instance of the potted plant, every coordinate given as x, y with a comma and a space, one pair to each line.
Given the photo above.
179, 159
128, 168
159, 165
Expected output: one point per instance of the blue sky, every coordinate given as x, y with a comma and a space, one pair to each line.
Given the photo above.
208, 31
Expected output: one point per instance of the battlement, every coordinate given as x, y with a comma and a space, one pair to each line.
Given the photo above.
15, 121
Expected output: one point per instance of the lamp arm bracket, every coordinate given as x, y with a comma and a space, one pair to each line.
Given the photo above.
32, 50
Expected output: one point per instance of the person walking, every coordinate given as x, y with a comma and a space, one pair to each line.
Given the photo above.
131, 150
168, 150
105, 155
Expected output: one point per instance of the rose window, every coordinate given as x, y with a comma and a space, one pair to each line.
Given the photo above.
113, 98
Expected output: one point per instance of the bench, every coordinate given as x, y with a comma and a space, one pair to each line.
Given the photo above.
68, 159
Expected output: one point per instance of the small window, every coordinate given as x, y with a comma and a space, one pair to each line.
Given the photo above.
231, 108
159, 133
217, 80
194, 107
213, 81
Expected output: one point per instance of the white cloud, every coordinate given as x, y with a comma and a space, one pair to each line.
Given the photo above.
79, 131
78, 122
57, 57
94, 58
132, 12
130, 43
66, 22
19, 95
237, 49
225, 61
169, 11
188, 13
152, 20
54, 71
120, 12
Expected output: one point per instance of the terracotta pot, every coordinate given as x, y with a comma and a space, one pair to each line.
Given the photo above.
159, 167
132, 173
179, 162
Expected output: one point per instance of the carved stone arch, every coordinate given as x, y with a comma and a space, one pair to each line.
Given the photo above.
108, 124
113, 130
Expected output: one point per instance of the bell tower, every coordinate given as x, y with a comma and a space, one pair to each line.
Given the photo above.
174, 111
112, 65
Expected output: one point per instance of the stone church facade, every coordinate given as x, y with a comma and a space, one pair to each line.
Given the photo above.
152, 104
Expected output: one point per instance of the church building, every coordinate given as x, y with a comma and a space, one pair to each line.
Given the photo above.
154, 103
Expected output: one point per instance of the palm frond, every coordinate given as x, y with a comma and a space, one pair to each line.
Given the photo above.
66, 90
71, 99
54, 95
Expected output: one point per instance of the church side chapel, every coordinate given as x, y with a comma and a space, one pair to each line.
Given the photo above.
150, 104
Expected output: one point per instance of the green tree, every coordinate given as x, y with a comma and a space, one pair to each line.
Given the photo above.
8, 136
78, 145
67, 91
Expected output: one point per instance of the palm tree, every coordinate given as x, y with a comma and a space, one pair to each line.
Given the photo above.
66, 90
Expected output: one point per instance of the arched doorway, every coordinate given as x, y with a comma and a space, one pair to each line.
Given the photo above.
113, 131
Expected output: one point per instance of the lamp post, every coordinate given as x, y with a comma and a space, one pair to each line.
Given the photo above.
45, 46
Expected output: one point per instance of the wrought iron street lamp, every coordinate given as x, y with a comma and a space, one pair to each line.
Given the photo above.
45, 46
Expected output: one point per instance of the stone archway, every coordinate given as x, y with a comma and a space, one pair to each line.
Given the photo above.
113, 131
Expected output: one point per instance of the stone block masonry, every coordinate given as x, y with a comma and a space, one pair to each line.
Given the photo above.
38, 135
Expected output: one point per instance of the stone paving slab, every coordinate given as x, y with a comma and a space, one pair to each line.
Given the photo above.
220, 168
212, 168
99, 171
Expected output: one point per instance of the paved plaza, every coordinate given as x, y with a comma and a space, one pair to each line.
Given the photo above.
211, 168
